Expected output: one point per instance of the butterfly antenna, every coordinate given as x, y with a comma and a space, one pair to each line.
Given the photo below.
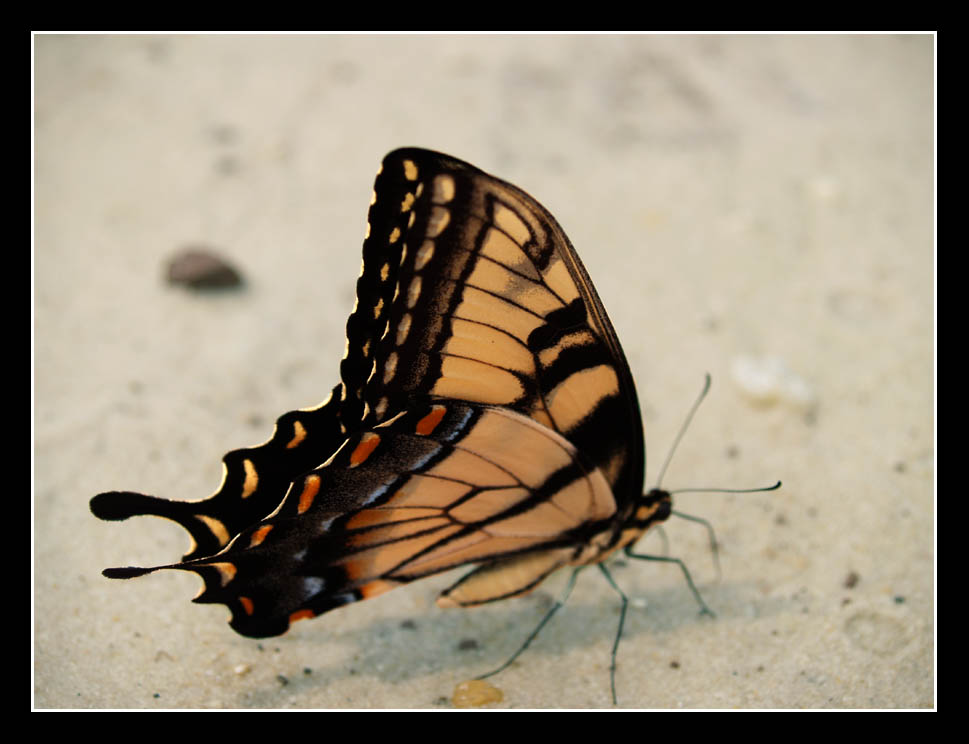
683, 428
709, 527
726, 490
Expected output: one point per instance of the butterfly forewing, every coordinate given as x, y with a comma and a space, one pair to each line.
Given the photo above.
489, 304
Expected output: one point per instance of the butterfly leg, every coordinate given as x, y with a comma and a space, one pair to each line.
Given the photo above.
704, 610
622, 622
713, 537
548, 616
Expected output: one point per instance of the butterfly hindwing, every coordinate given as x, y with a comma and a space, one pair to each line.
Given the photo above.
436, 487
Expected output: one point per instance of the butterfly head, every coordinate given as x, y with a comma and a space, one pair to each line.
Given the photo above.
651, 508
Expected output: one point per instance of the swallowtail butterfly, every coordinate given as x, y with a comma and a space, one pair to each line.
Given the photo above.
485, 415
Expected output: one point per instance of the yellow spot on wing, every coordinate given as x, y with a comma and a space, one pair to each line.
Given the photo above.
424, 254
299, 434
390, 367
252, 479
410, 170
413, 291
247, 605
437, 221
443, 189
403, 328
381, 408
218, 530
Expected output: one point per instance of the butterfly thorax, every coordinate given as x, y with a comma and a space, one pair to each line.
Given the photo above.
650, 509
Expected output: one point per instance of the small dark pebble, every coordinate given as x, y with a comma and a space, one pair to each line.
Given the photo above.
674, 665
467, 644
282, 680
408, 625
307, 671
851, 580
200, 268
899, 599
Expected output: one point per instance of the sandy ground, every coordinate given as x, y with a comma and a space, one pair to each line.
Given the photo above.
761, 197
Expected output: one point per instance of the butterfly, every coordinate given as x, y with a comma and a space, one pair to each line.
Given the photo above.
485, 415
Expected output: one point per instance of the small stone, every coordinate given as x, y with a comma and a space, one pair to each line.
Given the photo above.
200, 268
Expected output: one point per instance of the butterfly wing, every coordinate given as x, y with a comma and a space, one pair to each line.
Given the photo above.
470, 291
437, 486
254, 481
482, 298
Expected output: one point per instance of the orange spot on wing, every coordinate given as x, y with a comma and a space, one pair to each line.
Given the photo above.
429, 423
259, 535
376, 587
301, 615
247, 605
311, 487
368, 443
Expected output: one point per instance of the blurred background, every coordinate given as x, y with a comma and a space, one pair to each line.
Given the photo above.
759, 207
